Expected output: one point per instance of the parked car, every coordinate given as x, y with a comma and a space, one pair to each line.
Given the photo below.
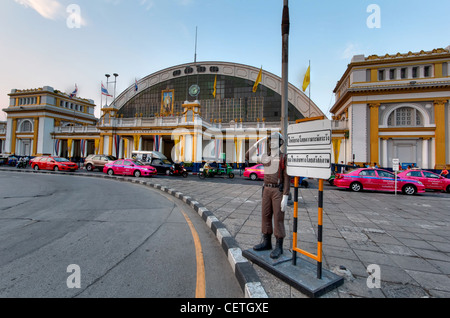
430, 180
377, 180
97, 162
155, 159
255, 172
129, 167
53, 163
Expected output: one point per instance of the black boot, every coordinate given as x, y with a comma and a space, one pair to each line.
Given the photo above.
265, 245
276, 253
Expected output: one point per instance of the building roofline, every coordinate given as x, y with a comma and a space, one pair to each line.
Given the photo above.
269, 80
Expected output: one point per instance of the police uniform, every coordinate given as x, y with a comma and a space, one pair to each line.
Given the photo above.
276, 189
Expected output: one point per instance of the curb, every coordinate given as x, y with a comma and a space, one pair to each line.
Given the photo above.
242, 268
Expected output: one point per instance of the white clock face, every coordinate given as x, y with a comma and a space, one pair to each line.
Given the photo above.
194, 90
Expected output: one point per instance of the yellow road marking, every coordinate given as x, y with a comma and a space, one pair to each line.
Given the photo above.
200, 290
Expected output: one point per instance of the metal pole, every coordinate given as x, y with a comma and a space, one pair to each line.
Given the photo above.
319, 230
295, 227
285, 27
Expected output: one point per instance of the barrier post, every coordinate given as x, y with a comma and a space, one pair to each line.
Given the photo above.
320, 231
295, 227
318, 258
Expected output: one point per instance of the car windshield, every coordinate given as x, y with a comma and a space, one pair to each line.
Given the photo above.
61, 160
138, 163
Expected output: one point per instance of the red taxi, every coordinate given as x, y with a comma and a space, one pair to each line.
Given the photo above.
377, 180
53, 163
129, 167
430, 180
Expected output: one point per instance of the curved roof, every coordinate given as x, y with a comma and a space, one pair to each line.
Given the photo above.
271, 81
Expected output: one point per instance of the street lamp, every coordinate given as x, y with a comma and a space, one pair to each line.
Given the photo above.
107, 85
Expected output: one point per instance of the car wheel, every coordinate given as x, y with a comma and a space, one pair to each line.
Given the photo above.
56, 168
409, 189
448, 189
137, 174
231, 176
356, 187
89, 167
111, 172
254, 177
36, 168
168, 172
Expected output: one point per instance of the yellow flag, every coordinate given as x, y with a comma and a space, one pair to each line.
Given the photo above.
258, 80
215, 87
307, 79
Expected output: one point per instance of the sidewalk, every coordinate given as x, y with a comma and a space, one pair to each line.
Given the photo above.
407, 237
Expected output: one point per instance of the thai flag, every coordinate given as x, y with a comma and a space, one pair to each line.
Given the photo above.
136, 87
157, 143
218, 146
105, 91
261, 148
57, 144
75, 92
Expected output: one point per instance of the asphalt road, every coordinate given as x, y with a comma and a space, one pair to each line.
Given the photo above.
125, 239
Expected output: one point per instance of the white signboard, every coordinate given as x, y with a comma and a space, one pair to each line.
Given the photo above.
396, 164
309, 149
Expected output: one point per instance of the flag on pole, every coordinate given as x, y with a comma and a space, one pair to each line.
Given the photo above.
105, 91
215, 87
157, 143
75, 92
307, 79
258, 81
136, 87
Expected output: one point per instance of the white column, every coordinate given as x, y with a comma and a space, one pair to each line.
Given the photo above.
385, 163
433, 153
425, 154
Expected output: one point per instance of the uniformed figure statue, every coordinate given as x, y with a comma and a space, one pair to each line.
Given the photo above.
275, 195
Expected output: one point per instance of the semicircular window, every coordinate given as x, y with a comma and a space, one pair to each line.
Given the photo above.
405, 117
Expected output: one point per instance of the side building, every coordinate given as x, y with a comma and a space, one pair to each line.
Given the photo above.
395, 106
38, 118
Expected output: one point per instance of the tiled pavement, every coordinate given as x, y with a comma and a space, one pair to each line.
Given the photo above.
407, 237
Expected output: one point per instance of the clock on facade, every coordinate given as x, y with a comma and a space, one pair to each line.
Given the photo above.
194, 90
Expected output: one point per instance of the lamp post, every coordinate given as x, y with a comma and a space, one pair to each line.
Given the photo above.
285, 27
107, 84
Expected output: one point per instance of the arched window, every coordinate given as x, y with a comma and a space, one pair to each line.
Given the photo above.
405, 117
26, 126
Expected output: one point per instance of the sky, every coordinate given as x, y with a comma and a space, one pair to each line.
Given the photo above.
61, 43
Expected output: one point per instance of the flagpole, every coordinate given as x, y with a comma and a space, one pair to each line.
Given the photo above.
285, 28
309, 99
101, 96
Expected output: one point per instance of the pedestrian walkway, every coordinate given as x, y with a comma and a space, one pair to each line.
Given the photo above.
406, 237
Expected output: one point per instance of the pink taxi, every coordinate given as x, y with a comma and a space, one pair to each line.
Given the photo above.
377, 180
254, 172
129, 167
430, 180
